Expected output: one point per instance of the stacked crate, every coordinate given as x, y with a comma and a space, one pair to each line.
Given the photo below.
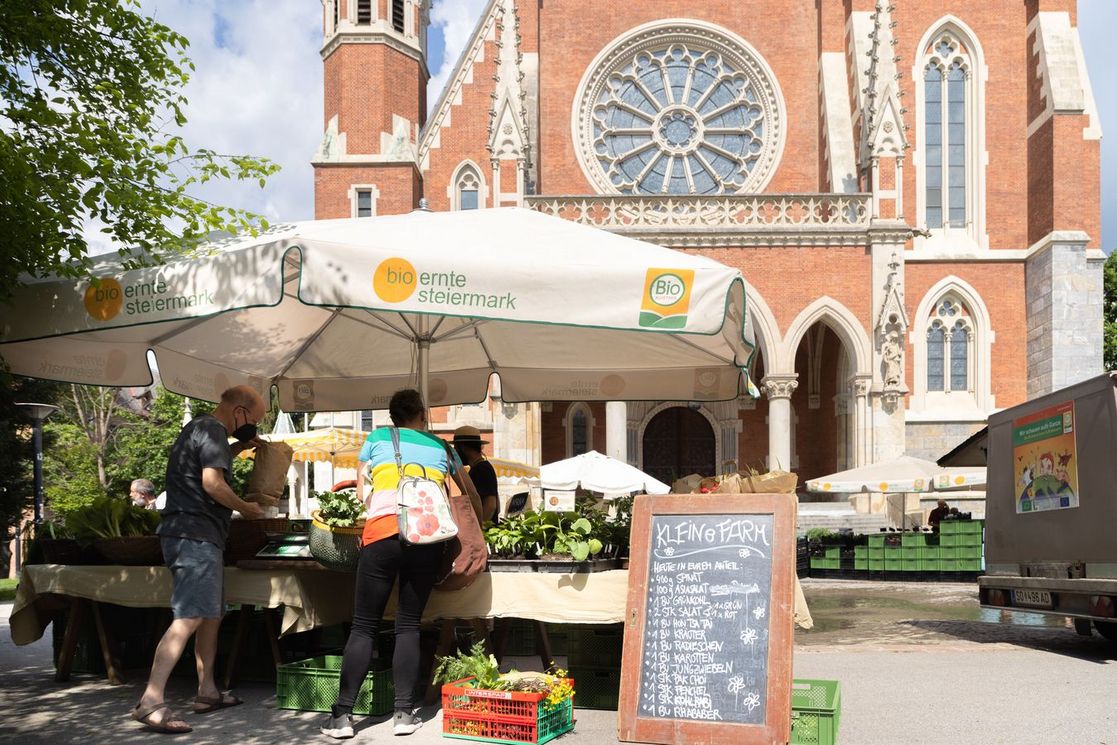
594, 660
962, 545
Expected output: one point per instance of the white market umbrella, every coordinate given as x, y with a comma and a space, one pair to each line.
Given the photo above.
600, 473
904, 474
339, 314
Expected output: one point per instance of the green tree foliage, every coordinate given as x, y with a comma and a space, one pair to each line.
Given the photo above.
16, 449
91, 105
1110, 304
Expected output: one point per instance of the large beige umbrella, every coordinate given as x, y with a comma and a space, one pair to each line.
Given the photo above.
339, 314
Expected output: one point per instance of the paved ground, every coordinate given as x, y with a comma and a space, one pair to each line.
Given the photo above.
919, 664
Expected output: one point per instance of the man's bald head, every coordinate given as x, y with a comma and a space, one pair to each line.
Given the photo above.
246, 396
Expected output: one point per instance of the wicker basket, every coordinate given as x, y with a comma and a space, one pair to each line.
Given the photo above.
136, 550
246, 537
335, 548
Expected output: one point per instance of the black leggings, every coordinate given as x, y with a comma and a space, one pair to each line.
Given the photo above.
379, 565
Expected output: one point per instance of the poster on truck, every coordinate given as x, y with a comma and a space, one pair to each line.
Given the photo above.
1045, 461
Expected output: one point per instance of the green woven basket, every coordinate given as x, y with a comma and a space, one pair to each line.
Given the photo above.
335, 548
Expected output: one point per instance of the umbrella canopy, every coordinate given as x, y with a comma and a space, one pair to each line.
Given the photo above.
339, 314
903, 474
596, 472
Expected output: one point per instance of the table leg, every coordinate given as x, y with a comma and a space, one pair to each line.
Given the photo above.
273, 637
543, 645
70, 640
112, 667
245, 614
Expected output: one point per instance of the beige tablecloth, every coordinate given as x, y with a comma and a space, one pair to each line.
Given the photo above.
318, 598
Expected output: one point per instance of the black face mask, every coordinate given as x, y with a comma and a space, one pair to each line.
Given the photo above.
245, 432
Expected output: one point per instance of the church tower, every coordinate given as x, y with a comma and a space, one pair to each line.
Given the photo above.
375, 68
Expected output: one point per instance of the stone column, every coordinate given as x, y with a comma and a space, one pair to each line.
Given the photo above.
861, 447
616, 430
1064, 303
778, 389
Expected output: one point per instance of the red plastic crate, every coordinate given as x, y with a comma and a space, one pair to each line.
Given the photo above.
502, 716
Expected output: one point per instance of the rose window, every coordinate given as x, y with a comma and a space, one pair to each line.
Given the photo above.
679, 110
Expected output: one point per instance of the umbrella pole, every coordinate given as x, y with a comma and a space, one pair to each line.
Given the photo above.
424, 371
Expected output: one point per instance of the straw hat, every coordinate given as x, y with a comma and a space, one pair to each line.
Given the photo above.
468, 436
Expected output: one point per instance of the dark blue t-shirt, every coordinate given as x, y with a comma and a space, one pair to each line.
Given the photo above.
190, 511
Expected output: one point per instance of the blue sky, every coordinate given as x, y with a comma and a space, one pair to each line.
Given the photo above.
258, 87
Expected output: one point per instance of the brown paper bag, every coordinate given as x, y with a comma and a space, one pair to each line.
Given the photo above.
269, 474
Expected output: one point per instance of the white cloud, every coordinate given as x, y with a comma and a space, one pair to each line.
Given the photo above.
455, 20
257, 90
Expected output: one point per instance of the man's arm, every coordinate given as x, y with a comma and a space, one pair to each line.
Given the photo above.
213, 481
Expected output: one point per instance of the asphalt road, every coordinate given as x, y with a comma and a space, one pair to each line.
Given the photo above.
918, 664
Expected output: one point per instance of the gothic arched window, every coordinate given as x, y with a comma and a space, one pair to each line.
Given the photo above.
950, 121
579, 429
948, 347
468, 187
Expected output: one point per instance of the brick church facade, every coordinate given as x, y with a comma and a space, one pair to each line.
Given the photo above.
911, 190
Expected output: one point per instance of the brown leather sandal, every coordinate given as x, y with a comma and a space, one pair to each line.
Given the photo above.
167, 726
206, 704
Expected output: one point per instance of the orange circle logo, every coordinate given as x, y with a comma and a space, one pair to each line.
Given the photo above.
394, 280
104, 299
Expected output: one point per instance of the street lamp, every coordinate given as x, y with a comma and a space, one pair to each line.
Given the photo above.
38, 412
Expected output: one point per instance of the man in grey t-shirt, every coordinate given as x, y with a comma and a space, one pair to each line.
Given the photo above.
196, 517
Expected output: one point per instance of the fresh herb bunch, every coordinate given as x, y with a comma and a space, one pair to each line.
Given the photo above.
339, 509
110, 517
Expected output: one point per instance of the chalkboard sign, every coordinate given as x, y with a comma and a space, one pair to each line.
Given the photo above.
708, 650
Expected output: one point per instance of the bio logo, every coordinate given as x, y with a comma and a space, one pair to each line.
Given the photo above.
666, 298
666, 290
394, 280
104, 299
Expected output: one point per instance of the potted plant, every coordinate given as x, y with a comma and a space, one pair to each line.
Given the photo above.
118, 530
335, 530
54, 544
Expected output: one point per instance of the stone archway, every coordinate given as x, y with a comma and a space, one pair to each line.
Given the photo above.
679, 441
821, 416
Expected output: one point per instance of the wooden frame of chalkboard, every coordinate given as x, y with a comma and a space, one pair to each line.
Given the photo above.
706, 574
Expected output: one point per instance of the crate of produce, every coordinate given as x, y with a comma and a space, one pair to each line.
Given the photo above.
600, 645
913, 539
311, 685
816, 712
502, 716
876, 540
597, 687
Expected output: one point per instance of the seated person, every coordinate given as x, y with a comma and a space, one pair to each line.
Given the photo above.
937, 515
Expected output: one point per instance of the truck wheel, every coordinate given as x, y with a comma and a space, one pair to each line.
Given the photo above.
1108, 629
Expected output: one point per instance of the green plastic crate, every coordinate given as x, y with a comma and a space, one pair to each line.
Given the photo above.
596, 688
311, 685
832, 552
892, 552
930, 565
892, 565
948, 552
559, 638
930, 552
950, 565
909, 565
913, 539
911, 552
860, 552
876, 552
816, 712
876, 565
971, 526
520, 637
876, 540
950, 539
969, 552
600, 645
949, 527
861, 564
970, 565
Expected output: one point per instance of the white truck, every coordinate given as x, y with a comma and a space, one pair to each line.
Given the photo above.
1051, 507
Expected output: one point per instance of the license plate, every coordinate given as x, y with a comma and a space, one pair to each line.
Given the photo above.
1033, 598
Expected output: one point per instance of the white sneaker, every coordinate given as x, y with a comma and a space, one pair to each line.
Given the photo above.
404, 722
339, 728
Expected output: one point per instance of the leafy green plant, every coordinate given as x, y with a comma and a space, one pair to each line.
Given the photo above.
339, 509
537, 534
820, 535
476, 664
53, 529
110, 517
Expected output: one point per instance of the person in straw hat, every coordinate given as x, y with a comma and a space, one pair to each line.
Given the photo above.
468, 444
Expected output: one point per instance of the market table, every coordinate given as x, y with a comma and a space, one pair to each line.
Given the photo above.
310, 597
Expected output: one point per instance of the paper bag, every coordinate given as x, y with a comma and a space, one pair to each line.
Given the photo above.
269, 474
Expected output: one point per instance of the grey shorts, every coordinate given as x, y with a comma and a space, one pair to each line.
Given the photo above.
197, 575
